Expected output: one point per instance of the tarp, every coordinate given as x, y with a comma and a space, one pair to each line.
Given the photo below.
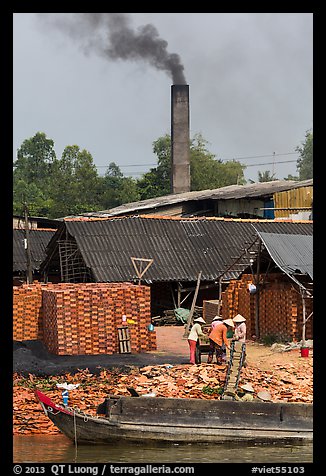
181, 314
291, 253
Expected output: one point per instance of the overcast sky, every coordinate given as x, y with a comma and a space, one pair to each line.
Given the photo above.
250, 79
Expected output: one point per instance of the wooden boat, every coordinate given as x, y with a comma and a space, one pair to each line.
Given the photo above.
148, 419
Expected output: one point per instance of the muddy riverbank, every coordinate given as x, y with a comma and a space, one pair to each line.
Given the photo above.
286, 376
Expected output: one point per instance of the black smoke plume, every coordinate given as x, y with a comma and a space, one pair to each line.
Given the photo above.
111, 35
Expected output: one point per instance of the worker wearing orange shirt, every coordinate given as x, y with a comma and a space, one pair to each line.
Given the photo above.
218, 335
217, 321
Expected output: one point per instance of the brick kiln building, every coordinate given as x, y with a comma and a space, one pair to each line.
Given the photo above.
99, 283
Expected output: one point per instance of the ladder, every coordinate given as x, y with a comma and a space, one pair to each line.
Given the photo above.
237, 355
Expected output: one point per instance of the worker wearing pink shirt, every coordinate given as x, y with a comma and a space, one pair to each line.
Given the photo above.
240, 332
240, 328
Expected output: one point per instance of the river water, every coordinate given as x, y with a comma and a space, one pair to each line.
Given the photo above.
58, 449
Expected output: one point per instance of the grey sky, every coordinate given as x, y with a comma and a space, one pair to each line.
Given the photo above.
250, 83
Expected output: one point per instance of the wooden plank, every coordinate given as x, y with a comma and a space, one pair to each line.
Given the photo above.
189, 321
124, 340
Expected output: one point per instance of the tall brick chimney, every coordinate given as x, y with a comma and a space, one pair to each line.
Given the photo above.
180, 150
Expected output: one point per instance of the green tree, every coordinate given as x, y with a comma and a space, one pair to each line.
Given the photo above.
35, 159
291, 177
157, 182
266, 176
39, 203
205, 171
305, 161
115, 189
54, 187
209, 173
32, 175
75, 183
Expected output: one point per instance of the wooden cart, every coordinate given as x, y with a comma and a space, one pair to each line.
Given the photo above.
202, 347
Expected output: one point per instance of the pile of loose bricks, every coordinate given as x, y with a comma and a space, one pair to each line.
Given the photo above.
280, 307
83, 318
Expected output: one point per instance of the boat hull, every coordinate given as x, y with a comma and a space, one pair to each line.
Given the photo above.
144, 420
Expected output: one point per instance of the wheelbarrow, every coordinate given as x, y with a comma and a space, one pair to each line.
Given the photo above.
202, 348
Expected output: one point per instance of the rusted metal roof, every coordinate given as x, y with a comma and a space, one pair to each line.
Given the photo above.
38, 239
180, 247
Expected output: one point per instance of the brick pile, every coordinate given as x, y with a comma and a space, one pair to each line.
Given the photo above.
280, 307
210, 310
27, 312
83, 318
237, 299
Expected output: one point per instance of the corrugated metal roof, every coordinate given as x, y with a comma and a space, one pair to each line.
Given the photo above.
292, 253
180, 247
261, 189
39, 240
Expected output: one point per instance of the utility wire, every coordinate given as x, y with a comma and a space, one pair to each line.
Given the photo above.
269, 163
223, 160
262, 156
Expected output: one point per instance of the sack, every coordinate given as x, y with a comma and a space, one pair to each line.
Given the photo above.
252, 288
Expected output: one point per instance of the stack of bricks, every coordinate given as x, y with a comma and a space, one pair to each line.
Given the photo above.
83, 318
280, 307
27, 312
277, 315
236, 299
210, 310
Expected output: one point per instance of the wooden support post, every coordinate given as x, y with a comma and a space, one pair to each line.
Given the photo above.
29, 272
257, 329
179, 294
189, 321
173, 298
219, 296
304, 319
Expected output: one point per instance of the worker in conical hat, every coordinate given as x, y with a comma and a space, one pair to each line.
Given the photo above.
239, 318
195, 332
240, 328
218, 336
228, 322
240, 332
217, 321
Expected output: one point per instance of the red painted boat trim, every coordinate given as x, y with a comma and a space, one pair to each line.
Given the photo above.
48, 403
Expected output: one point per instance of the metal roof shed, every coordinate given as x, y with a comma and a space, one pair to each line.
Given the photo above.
292, 253
39, 240
180, 247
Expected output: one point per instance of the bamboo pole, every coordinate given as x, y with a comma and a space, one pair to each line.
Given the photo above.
257, 330
189, 320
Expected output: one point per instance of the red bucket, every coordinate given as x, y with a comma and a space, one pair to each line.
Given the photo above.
305, 352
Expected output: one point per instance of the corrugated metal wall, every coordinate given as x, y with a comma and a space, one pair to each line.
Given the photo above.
298, 197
